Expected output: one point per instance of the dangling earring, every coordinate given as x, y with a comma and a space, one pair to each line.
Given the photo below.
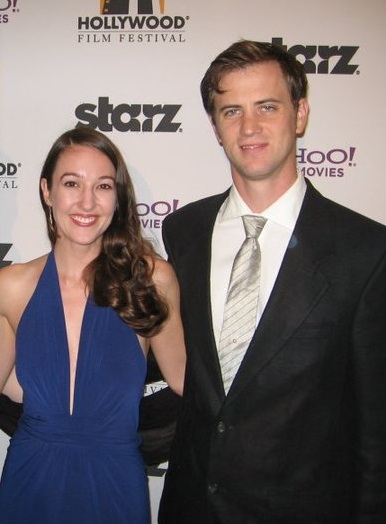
51, 217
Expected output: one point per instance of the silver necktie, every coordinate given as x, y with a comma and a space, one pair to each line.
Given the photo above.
239, 321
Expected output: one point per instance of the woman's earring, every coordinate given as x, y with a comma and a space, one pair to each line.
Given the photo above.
51, 216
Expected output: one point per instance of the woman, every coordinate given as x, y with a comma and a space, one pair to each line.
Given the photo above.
77, 324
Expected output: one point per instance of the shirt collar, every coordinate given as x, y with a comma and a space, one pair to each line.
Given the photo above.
284, 211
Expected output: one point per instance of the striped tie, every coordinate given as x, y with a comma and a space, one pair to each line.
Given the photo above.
239, 322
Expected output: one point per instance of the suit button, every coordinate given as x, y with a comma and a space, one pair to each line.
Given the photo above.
221, 427
212, 488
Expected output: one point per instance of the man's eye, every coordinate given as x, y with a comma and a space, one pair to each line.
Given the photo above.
232, 112
267, 108
70, 183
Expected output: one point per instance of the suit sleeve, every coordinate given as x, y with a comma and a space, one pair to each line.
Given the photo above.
165, 238
369, 379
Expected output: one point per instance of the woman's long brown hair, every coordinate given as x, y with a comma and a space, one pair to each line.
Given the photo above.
121, 275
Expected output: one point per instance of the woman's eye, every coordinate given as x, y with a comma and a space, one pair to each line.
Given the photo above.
70, 183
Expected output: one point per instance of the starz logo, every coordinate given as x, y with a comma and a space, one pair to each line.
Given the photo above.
4, 248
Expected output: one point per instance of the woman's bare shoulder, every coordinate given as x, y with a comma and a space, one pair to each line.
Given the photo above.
163, 273
22, 272
18, 281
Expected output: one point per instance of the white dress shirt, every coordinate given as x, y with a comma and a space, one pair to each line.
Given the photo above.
229, 234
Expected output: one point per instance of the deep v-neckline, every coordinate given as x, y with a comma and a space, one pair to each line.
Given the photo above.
71, 392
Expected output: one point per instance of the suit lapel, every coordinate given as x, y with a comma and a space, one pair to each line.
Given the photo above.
195, 268
298, 288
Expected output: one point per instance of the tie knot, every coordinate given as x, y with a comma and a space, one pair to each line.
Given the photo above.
253, 225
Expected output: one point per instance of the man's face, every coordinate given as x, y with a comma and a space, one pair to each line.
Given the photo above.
257, 124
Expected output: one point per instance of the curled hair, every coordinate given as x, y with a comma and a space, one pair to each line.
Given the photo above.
245, 53
121, 275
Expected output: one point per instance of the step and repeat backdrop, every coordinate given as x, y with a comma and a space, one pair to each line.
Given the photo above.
132, 68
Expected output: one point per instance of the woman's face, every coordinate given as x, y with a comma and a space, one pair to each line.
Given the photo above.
83, 195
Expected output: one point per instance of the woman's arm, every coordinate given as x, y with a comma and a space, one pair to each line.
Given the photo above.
168, 345
7, 335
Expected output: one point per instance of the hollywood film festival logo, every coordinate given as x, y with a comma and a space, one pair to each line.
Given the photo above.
132, 21
9, 172
7, 8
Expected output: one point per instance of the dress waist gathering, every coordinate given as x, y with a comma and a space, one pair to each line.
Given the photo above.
77, 431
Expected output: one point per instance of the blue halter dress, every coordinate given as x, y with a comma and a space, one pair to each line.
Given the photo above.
84, 467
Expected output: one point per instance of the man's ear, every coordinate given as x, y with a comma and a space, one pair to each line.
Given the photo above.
213, 124
302, 116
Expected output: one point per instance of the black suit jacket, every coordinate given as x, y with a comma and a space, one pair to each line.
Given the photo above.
301, 436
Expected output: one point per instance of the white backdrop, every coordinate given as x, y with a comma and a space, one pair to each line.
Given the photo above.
136, 76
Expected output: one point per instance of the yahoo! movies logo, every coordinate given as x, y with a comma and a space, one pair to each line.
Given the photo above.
330, 163
151, 214
323, 59
6, 8
132, 21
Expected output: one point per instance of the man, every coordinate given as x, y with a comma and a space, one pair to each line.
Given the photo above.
299, 433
